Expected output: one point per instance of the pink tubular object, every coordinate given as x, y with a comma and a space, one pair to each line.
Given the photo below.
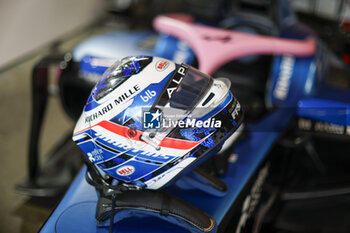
214, 46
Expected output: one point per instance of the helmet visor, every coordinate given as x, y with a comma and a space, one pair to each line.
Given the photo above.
182, 94
191, 89
118, 73
184, 90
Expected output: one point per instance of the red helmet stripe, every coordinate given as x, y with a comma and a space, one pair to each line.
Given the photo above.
166, 142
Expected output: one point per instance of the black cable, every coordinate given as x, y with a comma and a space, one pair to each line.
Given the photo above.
111, 222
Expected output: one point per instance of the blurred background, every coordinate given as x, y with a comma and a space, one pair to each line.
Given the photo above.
30, 29
27, 26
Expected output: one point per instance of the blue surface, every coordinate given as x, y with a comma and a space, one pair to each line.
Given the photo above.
117, 45
173, 49
76, 211
330, 111
299, 75
114, 45
87, 66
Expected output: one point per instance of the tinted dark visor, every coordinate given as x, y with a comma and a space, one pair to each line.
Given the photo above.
190, 90
185, 89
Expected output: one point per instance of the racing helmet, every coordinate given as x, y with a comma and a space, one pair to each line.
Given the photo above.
148, 120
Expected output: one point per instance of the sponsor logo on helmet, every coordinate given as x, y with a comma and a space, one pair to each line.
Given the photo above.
133, 151
95, 155
121, 98
125, 170
148, 95
162, 65
236, 111
98, 113
174, 83
176, 80
126, 95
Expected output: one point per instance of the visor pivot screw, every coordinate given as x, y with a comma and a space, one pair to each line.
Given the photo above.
131, 133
